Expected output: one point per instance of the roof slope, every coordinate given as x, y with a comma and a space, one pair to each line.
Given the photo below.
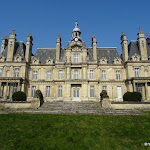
19, 49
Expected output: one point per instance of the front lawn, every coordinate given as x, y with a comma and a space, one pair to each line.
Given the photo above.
73, 132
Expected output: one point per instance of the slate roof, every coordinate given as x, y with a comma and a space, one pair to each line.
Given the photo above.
44, 53
134, 48
20, 49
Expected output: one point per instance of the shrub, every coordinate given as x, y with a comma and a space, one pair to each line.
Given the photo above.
132, 96
103, 94
19, 96
39, 95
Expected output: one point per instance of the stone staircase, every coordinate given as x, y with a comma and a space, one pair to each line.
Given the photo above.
60, 107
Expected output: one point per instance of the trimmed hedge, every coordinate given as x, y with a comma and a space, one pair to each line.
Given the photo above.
132, 96
19, 96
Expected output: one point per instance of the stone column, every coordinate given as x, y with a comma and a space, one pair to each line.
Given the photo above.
134, 87
0, 88
68, 72
18, 88
67, 92
22, 87
5, 91
84, 92
130, 87
11, 88
146, 90
143, 93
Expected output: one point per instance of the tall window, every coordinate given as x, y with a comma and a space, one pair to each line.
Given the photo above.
0, 72
136, 72
104, 88
48, 75
60, 91
76, 74
60, 74
48, 91
76, 58
14, 88
91, 91
117, 75
16, 73
91, 74
34, 75
103, 75
33, 90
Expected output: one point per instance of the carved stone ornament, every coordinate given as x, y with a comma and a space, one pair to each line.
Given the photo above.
135, 57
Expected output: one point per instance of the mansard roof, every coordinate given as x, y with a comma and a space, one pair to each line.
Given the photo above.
19, 49
110, 53
133, 48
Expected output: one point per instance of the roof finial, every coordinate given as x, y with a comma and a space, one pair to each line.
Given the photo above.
140, 29
5, 36
13, 30
58, 35
76, 24
122, 32
93, 34
30, 33
148, 35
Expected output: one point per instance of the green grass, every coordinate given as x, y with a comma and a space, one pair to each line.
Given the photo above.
73, 132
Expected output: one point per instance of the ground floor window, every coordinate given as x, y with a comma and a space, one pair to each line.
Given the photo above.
33, 90
14, 88
104, 88
92, 91
139, 87
48, 91
60, 91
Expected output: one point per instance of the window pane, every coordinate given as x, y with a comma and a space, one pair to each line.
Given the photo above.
136, 72
104, 88
60, 91
33, 91
48, 91
0, 72
91, 74
92, 91
103, 75
34, 75
16, 73
76, 58
60, 74
76, 74
118, 75
48, 75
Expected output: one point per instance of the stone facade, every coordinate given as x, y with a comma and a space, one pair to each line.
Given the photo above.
75, 73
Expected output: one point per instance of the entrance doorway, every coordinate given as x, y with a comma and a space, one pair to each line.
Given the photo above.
76, 94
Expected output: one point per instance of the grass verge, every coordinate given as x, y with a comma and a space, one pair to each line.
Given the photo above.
73, 132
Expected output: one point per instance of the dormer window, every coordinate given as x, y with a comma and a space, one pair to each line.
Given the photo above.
49, 61
17, 58
135, 58
103, 61
1, 59
35, 62
117, 61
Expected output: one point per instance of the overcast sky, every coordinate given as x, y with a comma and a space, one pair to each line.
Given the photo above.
46, 18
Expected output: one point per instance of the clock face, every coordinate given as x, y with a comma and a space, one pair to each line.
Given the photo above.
76, 39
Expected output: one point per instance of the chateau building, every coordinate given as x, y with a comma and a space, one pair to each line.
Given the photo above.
75, 73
